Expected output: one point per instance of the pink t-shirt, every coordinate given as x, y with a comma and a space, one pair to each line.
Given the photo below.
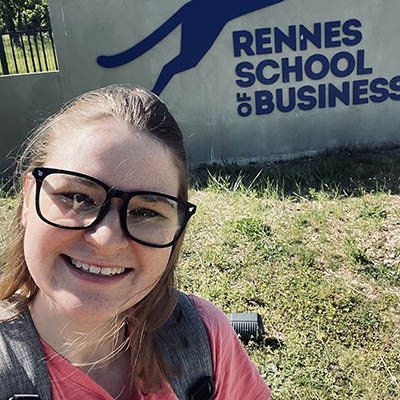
236, 377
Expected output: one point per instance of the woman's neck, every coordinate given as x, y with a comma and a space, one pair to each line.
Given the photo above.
98, 348
82, 342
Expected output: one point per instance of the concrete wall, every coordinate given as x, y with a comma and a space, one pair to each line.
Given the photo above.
236, 93
25, 101
205, 98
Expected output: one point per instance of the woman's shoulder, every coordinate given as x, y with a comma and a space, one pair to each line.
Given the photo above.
213, 318
235, 375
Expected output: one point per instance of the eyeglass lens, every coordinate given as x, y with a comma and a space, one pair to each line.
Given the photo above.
71, 201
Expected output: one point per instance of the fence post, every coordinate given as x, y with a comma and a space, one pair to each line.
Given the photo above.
3, 58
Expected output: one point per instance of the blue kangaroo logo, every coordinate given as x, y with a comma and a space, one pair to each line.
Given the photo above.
202, 21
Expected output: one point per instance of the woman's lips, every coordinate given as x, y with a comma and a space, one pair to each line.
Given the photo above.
94, 273
94, 269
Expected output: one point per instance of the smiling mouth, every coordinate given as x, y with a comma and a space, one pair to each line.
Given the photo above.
92, 269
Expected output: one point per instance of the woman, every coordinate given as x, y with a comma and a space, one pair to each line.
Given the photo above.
96, 239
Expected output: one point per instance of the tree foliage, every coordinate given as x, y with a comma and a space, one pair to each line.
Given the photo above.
23, 14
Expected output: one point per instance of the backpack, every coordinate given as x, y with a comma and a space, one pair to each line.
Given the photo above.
182, 340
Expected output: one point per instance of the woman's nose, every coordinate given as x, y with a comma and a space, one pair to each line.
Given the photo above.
107, 235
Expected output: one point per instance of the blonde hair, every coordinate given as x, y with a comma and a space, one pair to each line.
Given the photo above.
145, 112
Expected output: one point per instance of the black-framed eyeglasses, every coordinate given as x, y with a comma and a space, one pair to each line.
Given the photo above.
72, 200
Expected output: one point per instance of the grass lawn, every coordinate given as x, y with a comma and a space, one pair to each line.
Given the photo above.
312, 245
38, 56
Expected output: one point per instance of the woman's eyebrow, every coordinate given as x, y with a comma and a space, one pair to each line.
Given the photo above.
87, 182
155, 199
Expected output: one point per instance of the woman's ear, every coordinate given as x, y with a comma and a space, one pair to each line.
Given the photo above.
27, 197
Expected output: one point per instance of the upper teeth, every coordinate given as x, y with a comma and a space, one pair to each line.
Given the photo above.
96, 270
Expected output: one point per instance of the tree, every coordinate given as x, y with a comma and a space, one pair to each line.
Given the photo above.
23, 14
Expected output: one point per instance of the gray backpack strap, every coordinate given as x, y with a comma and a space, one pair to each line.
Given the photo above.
183, 342
23, 368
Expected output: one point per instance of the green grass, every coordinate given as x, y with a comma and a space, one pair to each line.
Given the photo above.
34, 55
313, 246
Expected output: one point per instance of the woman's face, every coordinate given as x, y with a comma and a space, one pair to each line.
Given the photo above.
109, 151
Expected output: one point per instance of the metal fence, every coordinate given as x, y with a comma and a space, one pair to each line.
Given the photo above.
26, 51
